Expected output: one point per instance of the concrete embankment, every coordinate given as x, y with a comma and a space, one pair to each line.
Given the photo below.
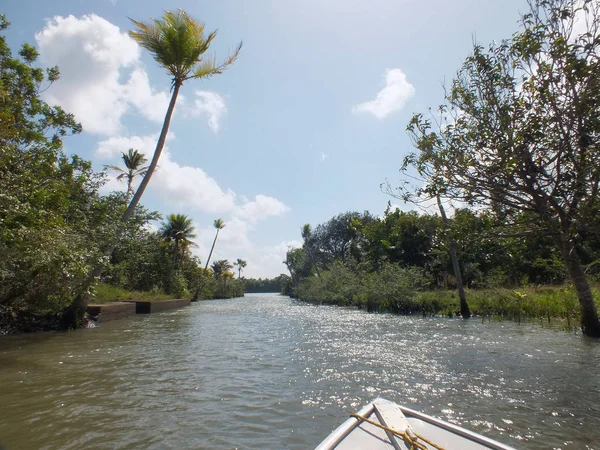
110, 311
118, 310
146, 307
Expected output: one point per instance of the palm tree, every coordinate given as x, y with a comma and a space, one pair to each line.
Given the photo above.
221, 267
221, 272
133, 160
178, 228
219, 225
178, 44
240, 263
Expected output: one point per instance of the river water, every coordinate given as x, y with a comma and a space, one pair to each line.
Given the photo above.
268, 372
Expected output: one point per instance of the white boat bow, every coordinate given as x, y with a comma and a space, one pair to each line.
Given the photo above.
386, 425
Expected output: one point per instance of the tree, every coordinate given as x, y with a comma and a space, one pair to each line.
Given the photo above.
309, 246
133, 161
219, 225
241, 264
179, 229
221, 270
52, 220
522, 132
178, 44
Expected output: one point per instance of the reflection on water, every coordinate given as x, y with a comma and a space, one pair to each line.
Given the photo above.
267, 372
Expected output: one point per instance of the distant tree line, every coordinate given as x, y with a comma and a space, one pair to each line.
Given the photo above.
280, 283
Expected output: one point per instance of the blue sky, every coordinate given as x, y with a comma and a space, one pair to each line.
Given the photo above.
305, 125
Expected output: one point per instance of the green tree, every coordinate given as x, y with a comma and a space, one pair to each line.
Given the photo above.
219, 225
178, 44
309, 246
179, 229
241, 264
523, 131
52, 220
222, 273
134, 166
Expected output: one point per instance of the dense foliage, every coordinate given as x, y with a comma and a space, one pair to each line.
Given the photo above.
519, 134
55, 226
400, 263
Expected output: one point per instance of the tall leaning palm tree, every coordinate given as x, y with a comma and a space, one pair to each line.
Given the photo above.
178, 228
179, 44
219, 225
134, 166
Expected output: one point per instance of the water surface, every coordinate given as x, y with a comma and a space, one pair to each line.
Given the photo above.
267, 372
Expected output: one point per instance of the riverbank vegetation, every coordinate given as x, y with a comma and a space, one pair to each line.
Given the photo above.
516, 144
58, 233
401, 263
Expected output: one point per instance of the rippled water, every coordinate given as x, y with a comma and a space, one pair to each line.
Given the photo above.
266, 372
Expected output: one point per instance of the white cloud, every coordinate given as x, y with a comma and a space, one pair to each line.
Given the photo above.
151, 103
112, 147
93, 56
324, 156
190, 187
260, 208
391, 98
211, 104
268, 262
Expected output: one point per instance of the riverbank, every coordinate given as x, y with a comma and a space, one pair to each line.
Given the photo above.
548, 303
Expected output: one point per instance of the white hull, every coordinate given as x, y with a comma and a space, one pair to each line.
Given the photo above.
356, 433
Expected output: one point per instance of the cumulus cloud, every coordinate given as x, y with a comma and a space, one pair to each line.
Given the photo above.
191, 187
90, 53
150, 103
268, 261
210, 104
113, 146
391, 98
102, 76
260, 208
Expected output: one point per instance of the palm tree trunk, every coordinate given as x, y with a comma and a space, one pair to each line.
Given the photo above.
211, 249
75, 311
197, 293
590, 324
465, 312
129, 189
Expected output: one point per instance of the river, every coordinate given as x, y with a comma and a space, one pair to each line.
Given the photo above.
268, 372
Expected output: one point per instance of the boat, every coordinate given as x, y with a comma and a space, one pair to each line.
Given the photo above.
383, 424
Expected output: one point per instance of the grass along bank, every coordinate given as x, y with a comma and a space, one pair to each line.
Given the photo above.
404, 291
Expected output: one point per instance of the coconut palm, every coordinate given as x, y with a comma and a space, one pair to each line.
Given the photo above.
178, 228
219, 225
241, 264
221, 267
133, 160
221, 270
178, 44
